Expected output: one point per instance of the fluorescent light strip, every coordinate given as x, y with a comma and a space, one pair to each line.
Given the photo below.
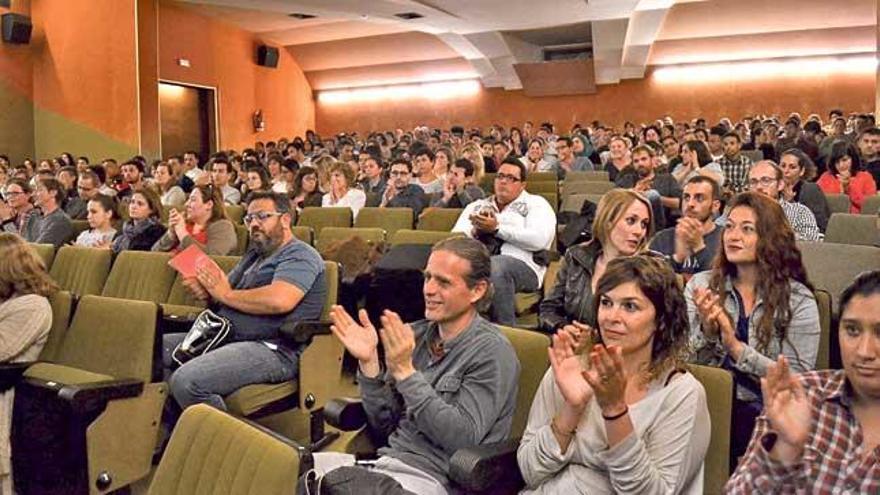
426, 91
801, 67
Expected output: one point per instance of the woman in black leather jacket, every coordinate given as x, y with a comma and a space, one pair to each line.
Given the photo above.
622, 227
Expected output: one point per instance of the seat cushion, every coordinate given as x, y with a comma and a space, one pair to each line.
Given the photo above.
248, 400
64, 374
526, 301
180, 310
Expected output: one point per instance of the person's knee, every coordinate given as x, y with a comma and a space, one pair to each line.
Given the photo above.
501, 270
184, 387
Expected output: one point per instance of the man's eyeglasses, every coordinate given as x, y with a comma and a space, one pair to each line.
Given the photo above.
261, 216
763, 181
507, 178
398, 173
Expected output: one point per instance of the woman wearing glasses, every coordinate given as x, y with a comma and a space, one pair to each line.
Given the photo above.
204, 224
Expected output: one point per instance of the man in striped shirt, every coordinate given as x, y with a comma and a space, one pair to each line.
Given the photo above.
819, 432
766, 177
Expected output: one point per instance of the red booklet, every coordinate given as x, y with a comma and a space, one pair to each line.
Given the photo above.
185, 262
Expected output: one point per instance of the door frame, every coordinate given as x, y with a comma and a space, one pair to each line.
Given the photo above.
214, 91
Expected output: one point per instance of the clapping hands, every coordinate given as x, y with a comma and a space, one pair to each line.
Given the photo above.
787, 410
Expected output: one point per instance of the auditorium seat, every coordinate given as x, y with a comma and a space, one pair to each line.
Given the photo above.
542, 177
88, 423
141, 276
832, 267
81, 270
243, 238
487, 183
180, 303
586, 187
213, 453
318, 217
235, 213
552, 198
388, 219
79, 226
823, 355
754, 155
574, 202
718, 384
331, 235
46, 253
439, 219
62, 303
586, 176
425, 237
303, 233
838, 203
537, 187
847, 228
871, 205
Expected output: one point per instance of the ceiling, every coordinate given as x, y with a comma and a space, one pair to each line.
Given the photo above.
354, 43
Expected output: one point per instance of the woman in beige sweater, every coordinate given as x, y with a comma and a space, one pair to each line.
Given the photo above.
25, 320
203, 224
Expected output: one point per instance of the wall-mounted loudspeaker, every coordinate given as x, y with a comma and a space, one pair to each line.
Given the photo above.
16, 28
267, 56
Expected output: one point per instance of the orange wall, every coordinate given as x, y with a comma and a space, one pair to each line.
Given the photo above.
638, 100
223, 56
16, 94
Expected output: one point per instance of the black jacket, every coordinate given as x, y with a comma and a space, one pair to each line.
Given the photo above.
572, 295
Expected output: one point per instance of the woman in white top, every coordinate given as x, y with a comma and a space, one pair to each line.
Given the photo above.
623, 418
170, 193
443, 159
101, 214
341, 192
534, 158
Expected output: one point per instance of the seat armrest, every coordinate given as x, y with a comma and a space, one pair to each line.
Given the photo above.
10, 374
481, 467
88, 397
301, 332
345, 413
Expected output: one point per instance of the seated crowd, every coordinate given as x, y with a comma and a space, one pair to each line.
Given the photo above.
692, 256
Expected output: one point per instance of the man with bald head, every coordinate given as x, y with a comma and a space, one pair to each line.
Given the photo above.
765, 177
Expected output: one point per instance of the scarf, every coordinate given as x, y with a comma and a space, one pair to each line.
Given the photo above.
130, 230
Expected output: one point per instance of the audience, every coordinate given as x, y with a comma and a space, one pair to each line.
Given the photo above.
766, 178
818, 431
203, 223
16, 210
845, 176
692, 244
734, 165
399, 191
373, 181
517, 227
795, 165
567, 160
305, 189
754, 304
102, 214
448, 381
534, 159
51, 225
142, 229
620, 415
342, 191
220, 175
459, 189
621, 227
25, 320
172, 195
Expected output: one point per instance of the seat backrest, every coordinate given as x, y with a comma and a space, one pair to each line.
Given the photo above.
587, 187
823, 356
303, 233
754, 155
586, 176
487, 182
539, 186
552, 198
439, 219
179, 295
846, 228
46, 253
140, 275
81, 270
331, 271
79, 226
235, 213
318, 217
542, 177
242, 239
213, 453
832, 267
388, 219
838, 203
62, 307
424, 237
871, 205
331, 235
531, 350
718, 384
574, 202
111, 336
550, 277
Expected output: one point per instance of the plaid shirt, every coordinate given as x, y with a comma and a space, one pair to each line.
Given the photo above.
833, 460
802, 221
736, 172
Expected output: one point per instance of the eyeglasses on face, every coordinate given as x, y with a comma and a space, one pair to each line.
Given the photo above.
507, 178
398, 173
763, 181
261, 216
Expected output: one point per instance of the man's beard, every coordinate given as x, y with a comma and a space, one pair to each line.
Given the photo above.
267, 242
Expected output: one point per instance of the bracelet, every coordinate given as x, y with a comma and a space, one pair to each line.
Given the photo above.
555, 429
616, 416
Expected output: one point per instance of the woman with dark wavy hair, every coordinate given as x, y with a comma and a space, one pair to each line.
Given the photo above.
621, 416
755, 304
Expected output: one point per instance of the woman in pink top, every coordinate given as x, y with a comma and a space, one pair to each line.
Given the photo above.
845, 176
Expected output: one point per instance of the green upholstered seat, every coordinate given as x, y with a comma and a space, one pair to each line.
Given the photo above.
439, 219
81, 270
718, 384
388, 219
424, 237
318, 217
140, 275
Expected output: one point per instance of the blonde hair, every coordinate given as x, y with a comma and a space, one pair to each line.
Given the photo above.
322, 165
22, 272
611, 209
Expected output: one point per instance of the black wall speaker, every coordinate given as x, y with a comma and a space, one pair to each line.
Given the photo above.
16, 28
267, 56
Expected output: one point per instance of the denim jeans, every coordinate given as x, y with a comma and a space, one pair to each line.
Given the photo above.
509, 276
207, 378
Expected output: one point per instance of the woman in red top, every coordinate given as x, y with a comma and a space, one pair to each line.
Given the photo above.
845, 176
